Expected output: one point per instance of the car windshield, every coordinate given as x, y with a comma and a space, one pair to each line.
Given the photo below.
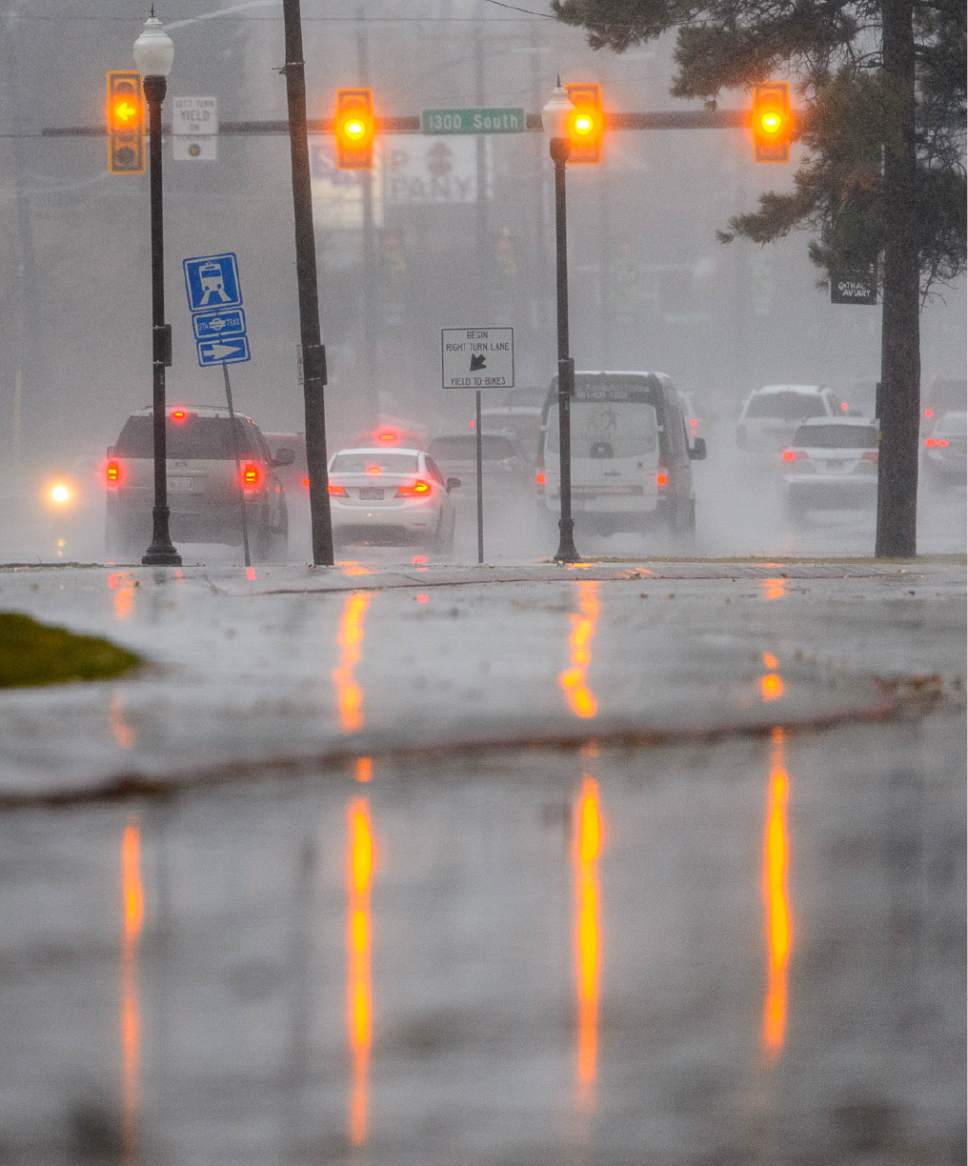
461, 448
193, 439
607, 429
785, 406
836, 436
378, 462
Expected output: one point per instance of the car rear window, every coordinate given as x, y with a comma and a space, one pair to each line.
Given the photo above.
608, 429
194, 439
494, 447
836, 436
786, 406
953, 424
362, 463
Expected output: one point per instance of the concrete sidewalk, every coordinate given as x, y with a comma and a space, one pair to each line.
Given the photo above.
286, 667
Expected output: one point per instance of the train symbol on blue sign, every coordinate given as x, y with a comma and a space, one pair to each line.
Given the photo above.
212, 281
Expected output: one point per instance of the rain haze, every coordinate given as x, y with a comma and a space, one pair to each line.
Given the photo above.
457, 849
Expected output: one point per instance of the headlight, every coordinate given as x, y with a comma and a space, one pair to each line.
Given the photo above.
59, 495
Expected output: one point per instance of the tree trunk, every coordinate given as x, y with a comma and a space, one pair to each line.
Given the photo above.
897, 491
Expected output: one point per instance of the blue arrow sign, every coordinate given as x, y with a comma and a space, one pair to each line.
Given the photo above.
222, 324
233, 351
212, 281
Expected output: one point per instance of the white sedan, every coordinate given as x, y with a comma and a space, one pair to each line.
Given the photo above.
390, 496
831, 463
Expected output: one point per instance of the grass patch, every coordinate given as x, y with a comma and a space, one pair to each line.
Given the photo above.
33, 653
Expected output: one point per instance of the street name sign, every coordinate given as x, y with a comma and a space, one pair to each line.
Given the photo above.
215, 302
473, 121
477, 358
854, 287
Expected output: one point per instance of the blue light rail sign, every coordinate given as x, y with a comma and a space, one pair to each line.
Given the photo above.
214, 294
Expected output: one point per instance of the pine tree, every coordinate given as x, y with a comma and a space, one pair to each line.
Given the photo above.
882, 87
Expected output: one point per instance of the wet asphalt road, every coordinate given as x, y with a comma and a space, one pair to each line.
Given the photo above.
750, 952
703, 930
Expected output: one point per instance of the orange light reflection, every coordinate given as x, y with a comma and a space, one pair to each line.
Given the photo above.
121, 728
779, 926
350, 639
773, 588
363, 770
123, 586
352, 568
133, 910
574, 680
359, 984
586, 851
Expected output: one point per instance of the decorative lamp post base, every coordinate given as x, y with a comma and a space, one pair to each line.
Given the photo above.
161, 553
567, 552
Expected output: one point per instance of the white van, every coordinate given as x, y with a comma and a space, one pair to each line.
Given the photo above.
629, 454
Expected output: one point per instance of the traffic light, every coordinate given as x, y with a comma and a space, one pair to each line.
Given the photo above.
355, 129
126, 122
772, 121
586, 123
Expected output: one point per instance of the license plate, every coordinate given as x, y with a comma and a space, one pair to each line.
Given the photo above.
181, 485
833, 465
371, 492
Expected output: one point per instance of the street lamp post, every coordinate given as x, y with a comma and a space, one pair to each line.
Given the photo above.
554, 122
153, 54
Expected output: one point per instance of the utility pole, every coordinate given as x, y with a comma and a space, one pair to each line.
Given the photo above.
897, 485
313, 353
369, 335
483, 218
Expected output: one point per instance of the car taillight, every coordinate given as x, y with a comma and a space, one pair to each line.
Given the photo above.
413, 489
693, 422
305, 483
335, 490
870, 455
662, 479
179, 416
251, 476
937, 443
929, 413
844, 407
112, 473
793, 455
539, 477
388, 437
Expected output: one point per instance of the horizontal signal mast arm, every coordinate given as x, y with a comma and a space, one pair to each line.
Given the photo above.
670, 119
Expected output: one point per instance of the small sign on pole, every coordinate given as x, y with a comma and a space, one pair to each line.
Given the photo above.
477, 358
854, 287
194, 125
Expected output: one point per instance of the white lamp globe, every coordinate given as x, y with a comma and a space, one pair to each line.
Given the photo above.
154, 50
554, 116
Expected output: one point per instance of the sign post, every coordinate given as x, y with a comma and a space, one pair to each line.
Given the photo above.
477, 358
218, 324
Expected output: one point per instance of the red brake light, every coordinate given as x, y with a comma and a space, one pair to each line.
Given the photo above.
793, 455
693, 422
305, 483
251, 475
112, 472
388, 437
662, 478
472, 424
417, 489
539, 477
179, 416
929, 412
334, 489
844, 407
937, 443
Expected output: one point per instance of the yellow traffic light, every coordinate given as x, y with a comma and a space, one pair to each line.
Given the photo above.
355, 128
586, 124
772, 121
126, 122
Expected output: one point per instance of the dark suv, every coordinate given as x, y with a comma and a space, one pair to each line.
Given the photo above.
206, 487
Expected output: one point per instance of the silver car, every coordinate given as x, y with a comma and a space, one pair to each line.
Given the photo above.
206, 486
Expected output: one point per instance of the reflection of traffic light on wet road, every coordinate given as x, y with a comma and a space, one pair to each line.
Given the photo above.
586, 123
772, 121
126, 122
355, 129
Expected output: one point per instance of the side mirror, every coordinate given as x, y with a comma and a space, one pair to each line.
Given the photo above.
284, 457
697, 451
452, 484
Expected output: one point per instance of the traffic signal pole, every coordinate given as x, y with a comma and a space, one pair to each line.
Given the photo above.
313, 353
